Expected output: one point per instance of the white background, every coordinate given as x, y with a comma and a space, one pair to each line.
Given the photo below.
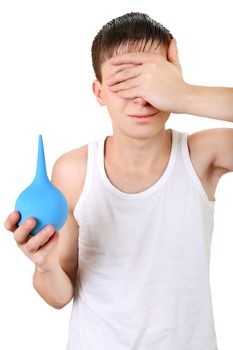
45, 87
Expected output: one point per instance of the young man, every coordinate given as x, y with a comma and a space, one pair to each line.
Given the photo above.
134, 252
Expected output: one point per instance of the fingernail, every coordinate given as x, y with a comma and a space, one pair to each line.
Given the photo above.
29, 223
49, 228
15, 212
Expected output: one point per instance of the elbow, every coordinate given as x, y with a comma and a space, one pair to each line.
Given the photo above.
60, 306
55, 302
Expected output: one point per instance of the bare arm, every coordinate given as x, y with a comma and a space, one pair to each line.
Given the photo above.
210, 102
158, 79
50, 281
55, 254
55, 285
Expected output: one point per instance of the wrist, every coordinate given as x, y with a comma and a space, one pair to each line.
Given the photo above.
187, 99
48, 269
190, 98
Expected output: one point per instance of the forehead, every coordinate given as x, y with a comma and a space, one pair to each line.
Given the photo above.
149, 47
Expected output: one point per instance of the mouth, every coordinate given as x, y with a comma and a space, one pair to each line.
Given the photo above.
143, 116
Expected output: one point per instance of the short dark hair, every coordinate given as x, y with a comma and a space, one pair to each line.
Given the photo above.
129, 29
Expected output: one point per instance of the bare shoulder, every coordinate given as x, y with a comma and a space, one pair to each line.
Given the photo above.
212, 149
211, 153
68, 175
69, 172
200, 150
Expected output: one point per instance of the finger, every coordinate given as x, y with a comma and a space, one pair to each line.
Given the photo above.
128, 84
22, 232
130, 93
123, 66
11, 222
123, 75
37, 241
46, 248
116, 69
132, 57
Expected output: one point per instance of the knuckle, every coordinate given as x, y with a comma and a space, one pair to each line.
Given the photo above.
147, 87
7, 225
149, 65
39, 259
17, 238
127, 83
152, 67
148, 76
20, 235
30, 246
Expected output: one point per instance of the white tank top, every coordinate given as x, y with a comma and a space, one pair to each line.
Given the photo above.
143, 278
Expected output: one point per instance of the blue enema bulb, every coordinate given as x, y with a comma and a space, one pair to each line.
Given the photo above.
42, 200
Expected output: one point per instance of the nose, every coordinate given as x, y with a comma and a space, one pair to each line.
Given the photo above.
140, 101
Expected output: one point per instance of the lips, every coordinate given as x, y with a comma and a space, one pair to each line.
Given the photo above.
144, 115
141, 115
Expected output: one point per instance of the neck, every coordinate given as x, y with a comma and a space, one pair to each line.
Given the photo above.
138, 155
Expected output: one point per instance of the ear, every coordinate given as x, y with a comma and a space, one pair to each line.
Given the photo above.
97, 89
172, 53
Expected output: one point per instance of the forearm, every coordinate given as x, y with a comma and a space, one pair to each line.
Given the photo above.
54, 286
210, 102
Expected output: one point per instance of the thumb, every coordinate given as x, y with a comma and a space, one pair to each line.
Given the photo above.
172, 54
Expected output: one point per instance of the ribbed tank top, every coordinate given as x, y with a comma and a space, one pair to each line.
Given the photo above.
143, 277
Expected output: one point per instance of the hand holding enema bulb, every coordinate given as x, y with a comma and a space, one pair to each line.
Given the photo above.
42, 200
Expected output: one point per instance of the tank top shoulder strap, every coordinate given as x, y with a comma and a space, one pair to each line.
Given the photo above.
91, 156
